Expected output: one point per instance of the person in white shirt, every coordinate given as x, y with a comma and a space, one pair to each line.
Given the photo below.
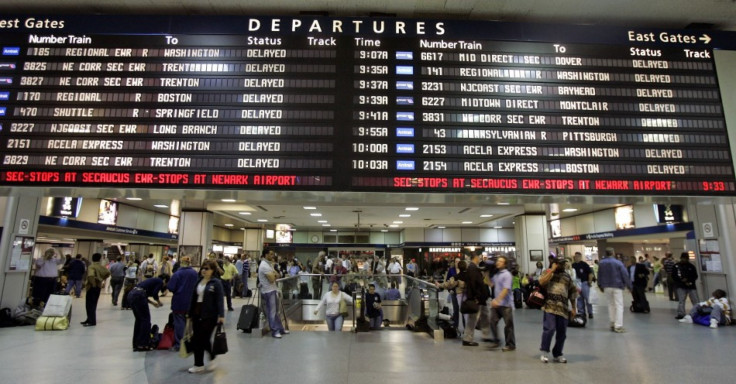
331, 301
395, 270
145, 271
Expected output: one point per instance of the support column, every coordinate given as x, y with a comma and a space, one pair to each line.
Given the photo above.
21, 221
253, 240
195, 235
715, 224
531, 234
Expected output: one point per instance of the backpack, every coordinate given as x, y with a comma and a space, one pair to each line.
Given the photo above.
155, 336
167, 338
6, 318
149, 271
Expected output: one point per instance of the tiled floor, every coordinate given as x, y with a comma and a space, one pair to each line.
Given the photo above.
656, 349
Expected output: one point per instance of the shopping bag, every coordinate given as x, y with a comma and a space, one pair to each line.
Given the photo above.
185, 344
219, 345
57, 306
593, 296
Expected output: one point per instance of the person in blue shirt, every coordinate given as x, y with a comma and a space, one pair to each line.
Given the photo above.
138, 301
501, 305
393, 293
612, 279
207, 310
181, 285
75, 274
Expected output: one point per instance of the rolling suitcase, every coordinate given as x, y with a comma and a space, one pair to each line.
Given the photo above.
248, 317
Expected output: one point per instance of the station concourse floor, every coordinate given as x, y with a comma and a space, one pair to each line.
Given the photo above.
656, 349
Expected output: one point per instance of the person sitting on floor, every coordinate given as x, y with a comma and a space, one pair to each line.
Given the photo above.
717, 305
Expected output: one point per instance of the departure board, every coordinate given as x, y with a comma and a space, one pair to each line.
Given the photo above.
360, 104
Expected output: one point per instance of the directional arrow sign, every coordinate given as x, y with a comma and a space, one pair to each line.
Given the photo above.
705, 38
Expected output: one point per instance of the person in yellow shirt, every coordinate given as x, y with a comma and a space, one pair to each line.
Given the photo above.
228, 274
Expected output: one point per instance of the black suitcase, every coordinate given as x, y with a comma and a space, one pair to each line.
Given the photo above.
248, 318
448, 330
639, 307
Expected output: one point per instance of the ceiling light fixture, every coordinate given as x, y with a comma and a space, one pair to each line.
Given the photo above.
486, 215
133, 198
467, 222
393, 226
310, 207
570, 210
228, 200
398, 222
441, 227
315, 214
321, 221
262, 221
245, 213
229, 225
405, 215
160, 205
326, 225
411, 209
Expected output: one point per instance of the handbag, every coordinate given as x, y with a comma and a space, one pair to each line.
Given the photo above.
704, 310
536, 299
343, 308
469, 306
219, 345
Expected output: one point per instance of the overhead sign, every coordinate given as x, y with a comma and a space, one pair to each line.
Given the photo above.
356, 104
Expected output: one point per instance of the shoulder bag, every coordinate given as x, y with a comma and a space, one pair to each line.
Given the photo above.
343, 307
469, 306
